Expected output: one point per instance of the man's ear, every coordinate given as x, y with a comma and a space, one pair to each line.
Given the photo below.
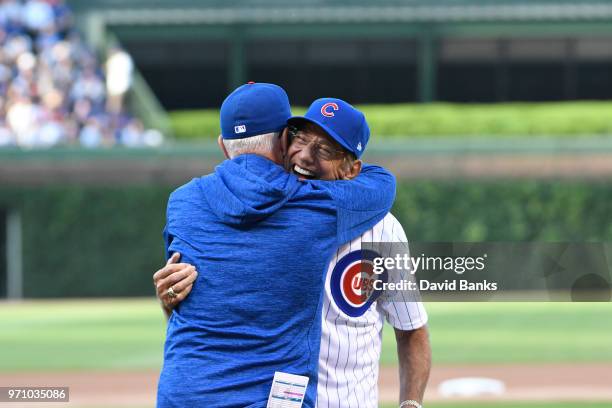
283, 145
353, 170
284, 142
222, 146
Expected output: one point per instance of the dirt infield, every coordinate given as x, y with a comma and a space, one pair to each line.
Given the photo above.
554, 382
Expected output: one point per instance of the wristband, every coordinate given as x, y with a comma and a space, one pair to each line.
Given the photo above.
410, 403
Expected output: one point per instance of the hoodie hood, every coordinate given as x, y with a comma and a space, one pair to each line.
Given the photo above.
247, 189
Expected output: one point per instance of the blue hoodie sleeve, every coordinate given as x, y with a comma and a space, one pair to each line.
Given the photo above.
167, 241
179, 220
361, 202
168, 233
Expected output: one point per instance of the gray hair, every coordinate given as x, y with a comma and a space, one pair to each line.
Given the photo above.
255, 144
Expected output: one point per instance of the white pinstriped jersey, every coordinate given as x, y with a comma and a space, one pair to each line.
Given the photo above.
351, 332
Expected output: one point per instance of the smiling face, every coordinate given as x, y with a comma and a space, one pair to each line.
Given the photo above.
313, 154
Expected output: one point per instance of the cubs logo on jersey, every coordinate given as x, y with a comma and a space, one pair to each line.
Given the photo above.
352, 282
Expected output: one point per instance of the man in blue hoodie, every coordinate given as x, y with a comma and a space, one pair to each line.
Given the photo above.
264, 239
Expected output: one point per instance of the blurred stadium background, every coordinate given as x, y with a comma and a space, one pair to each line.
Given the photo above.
495, 115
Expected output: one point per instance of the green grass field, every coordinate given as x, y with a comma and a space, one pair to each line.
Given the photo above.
526, 120
119, 334
516, 333
128, 334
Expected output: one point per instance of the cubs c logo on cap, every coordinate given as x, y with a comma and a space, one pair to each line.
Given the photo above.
352, 282
325, 109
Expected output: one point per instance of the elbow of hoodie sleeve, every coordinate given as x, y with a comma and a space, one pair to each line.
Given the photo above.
362, 202
374, 191
377, 187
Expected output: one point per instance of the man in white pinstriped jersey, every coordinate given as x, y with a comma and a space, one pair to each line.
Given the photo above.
351, 332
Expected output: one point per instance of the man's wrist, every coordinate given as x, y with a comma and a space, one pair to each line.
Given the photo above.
410, 404
167, 309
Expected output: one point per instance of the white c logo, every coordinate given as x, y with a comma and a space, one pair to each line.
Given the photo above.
324, 110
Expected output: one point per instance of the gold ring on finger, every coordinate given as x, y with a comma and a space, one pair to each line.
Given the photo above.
171, 293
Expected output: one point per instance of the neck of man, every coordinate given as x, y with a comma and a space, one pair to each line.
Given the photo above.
267, 155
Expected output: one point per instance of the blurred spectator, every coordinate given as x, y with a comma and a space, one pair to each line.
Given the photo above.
52, 88
119, 67
91, 134
23, 118
38, 15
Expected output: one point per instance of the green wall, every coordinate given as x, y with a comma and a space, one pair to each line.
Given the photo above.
89, 241
94, 241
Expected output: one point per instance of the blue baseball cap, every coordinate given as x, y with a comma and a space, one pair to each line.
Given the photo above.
254, 109
345, 124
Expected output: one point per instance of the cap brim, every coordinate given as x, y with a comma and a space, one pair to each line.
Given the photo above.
327, 130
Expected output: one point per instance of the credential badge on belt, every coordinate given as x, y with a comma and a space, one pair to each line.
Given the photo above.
287, 390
